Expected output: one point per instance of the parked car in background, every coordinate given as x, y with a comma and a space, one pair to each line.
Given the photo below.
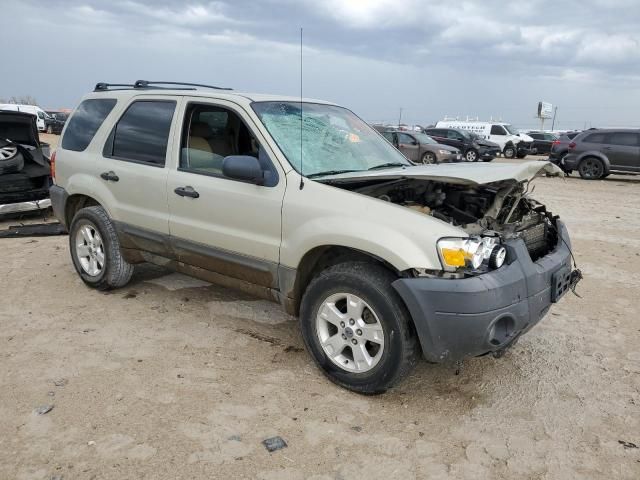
596, 153
55, 122
473, 147
25, 172
542, 142
560, 147
32, 109
421, 148
382, 261
512, 143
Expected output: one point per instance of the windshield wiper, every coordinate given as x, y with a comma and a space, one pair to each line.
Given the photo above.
330, 172
388, 165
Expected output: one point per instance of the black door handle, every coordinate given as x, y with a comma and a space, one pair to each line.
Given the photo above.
186, 192
109, 176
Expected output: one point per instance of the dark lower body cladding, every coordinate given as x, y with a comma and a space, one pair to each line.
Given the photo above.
458, 318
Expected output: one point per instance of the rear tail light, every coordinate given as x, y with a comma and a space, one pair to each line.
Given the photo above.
53, 165
555, 142
572, 145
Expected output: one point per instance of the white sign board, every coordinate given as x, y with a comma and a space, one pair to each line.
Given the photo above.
545, 110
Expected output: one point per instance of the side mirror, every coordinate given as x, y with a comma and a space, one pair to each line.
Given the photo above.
244, 168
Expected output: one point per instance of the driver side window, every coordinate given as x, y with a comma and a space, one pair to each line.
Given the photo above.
497, 130
211, 133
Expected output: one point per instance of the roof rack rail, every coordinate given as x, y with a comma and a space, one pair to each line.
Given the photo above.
151, 84
103, 86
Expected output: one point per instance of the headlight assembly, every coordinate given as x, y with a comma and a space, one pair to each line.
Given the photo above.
471, 253
444, 152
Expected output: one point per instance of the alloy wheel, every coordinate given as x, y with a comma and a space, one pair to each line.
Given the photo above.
591, 168
90, 249
350, 332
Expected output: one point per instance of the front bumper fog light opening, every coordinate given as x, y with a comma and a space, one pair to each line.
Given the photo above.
497, 257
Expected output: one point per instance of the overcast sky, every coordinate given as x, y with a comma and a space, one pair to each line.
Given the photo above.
432, 58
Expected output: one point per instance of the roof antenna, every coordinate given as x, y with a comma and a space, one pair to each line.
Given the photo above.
301, 174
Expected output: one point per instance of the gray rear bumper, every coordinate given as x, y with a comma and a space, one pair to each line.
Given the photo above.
458, 318
25, 206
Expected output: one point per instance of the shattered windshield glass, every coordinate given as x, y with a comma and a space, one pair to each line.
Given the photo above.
333, 138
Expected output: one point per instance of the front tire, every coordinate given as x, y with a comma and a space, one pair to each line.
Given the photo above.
509, 151
429, 158
357, 329
95, 250
471, 155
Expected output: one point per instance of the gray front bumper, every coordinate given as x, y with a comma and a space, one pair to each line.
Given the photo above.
21, 207
458, 318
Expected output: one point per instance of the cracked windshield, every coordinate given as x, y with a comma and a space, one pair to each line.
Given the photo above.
334, 140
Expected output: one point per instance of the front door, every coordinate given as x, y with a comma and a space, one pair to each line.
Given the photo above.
409, 146
216, 223
498, 135
623, 150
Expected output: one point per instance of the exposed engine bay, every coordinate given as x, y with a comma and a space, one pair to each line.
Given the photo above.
502, 209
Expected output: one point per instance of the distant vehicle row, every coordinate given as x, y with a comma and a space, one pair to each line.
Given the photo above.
49, 121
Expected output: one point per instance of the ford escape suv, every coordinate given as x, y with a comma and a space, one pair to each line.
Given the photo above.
302, 203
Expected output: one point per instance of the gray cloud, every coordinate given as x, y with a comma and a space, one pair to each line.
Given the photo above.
485, 58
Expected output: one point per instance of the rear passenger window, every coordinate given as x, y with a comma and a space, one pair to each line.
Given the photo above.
142, 133
628, 139
85, 121
595, 138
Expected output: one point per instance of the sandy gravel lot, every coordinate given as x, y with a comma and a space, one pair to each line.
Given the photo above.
173, 378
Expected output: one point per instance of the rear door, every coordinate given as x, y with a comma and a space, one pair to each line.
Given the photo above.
455, 139
409, 146
223, 225
130, 170
623, 150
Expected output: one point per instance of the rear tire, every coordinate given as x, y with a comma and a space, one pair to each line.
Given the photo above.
591, 168
11, 159
380, 349
95, 250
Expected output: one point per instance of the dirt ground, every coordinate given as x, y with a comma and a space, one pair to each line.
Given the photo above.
173, 378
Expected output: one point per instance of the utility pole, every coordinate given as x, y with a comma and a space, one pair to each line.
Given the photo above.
553, 123
400, 118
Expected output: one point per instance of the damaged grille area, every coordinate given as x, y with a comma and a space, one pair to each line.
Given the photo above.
537, 240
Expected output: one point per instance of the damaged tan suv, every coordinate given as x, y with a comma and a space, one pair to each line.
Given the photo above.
304, 204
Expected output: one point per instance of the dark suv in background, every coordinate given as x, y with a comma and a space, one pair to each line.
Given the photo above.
560, 147
598, 152
473, 148
542, 141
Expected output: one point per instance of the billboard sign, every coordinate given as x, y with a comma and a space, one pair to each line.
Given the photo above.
545, 110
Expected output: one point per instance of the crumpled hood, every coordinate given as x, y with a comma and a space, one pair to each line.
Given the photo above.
487, 143
456, 173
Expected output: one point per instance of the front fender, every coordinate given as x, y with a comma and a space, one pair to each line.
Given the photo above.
321, 215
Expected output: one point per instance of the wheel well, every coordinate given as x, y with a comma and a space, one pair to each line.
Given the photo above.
324, 257
75, 203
